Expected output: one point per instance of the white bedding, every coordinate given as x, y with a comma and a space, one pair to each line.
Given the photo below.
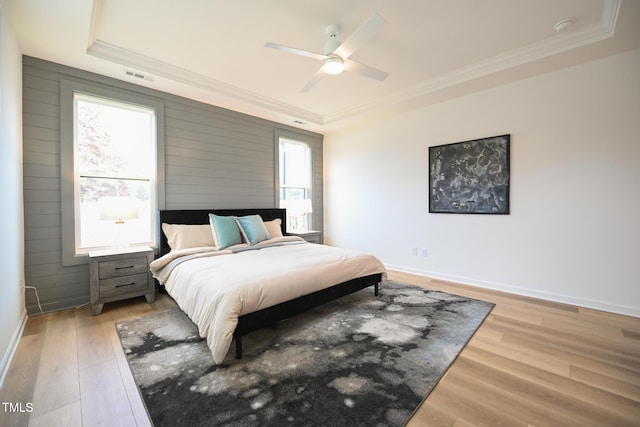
215, 287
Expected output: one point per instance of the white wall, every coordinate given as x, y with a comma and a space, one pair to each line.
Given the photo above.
12, 312
573, 234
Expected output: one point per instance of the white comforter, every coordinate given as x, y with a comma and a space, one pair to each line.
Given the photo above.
215, 287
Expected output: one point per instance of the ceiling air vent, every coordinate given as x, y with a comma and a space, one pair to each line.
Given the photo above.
137, 75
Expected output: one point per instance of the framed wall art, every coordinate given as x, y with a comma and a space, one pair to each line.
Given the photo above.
470, 177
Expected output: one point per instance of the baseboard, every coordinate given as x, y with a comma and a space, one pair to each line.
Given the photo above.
528, 292
11, 350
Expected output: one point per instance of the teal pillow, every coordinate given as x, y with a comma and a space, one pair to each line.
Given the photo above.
253, 228
225, 231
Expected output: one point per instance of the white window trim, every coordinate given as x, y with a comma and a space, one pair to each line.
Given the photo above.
67, 184
311, 141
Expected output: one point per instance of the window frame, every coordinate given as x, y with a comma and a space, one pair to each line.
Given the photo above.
68, 88
315, 196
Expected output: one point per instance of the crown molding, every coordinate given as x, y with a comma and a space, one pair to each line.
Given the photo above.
554, 45
158, 68
125, 57
533, 52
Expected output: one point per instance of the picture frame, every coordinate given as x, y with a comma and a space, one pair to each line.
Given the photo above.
470, 177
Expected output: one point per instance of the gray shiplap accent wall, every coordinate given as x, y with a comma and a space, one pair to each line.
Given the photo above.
214, 158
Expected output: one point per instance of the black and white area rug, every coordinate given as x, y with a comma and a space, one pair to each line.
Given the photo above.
358, 361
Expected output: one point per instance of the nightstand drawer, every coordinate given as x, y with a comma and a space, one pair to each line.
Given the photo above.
310, 236
122, 267
123, 285
120, 273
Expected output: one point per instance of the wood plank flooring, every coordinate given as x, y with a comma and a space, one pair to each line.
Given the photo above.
531, 363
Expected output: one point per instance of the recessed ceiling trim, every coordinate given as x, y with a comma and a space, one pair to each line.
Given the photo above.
129, 58
558, 43
536, 51
610, 12
97, 9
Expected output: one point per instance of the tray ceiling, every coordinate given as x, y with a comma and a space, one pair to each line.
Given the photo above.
213, 51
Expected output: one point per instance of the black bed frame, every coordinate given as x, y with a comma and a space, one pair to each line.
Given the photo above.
268, 316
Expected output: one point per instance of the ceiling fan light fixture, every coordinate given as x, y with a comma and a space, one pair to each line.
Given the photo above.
333, 66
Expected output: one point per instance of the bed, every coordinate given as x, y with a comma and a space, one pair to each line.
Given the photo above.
252, 284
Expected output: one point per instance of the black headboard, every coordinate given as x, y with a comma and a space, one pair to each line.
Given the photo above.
201, 216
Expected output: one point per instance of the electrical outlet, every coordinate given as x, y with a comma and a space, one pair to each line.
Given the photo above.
424, 251
414, 251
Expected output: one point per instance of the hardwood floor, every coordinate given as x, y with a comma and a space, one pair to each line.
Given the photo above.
531, 363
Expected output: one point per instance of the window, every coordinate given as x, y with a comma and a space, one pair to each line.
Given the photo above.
111, 169
114, 172
295, 170
295, 177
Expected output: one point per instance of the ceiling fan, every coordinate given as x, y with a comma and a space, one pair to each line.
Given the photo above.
336, 56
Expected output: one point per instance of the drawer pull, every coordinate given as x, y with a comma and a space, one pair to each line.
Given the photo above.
125, 284
123, 268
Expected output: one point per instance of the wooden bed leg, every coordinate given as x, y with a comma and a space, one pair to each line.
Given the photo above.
376, 289
238, 347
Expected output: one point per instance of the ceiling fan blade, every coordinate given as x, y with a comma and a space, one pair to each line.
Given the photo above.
360, 36
365, 70
311, 83
296, 51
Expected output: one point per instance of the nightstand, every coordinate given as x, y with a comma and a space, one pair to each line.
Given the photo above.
310, 236
117, 274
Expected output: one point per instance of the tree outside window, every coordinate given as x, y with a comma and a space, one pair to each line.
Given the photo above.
114, 163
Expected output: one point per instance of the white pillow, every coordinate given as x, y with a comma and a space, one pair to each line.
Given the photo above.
184, 236
274, 227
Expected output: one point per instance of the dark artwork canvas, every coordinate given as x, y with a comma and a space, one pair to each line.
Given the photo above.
470, 177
